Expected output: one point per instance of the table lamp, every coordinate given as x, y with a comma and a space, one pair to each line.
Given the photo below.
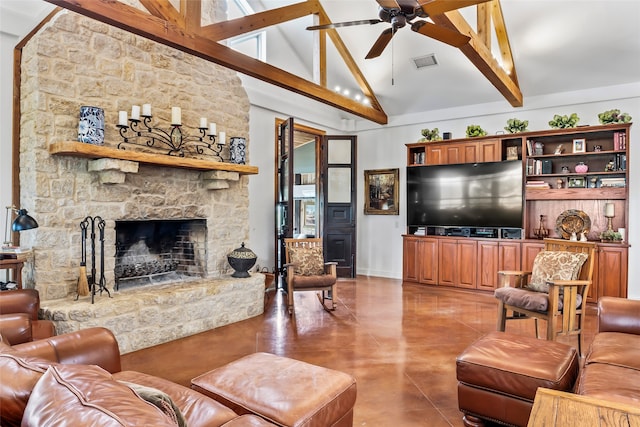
23, 222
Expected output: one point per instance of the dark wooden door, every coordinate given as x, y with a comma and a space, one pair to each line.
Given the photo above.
338, 202
284, 189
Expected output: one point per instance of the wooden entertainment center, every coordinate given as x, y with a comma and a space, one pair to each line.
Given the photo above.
552, 188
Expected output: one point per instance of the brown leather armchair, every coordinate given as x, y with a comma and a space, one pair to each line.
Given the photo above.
19, 317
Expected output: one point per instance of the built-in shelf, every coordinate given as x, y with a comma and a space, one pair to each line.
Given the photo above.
80, 149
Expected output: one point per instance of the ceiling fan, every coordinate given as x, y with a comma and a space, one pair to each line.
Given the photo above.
399, 13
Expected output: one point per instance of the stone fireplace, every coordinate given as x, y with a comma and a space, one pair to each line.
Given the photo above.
74, 61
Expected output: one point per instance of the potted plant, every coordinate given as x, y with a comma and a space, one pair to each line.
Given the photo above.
515, 125
430, 135
610, 236
613, 116
564, 122
475, 130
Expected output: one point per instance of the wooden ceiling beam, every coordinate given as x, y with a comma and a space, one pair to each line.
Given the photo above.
163, 9
137, 22
481, 56
503, 39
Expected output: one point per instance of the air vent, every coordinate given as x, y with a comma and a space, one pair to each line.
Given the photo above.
425, 61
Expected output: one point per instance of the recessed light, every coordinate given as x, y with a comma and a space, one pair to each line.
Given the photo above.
425, 61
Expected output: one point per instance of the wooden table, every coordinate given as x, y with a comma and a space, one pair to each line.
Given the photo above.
15, 265
553, 408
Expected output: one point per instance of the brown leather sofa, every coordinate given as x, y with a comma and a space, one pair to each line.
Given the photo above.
19, 317
76, 379
612, 365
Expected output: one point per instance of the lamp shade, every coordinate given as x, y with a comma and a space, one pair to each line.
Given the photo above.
23, 221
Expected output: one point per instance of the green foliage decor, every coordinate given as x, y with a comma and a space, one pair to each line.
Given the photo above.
515, 125
613, 116
475, 130
610, 235
430, 135
564, 122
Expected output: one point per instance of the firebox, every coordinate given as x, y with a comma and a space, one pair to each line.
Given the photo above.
154, 251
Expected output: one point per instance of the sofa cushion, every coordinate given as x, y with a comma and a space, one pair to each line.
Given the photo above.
610, 382
555, 265
18, 376
529, 300
88, 395
307, 261
160, 399
615, 348
197, 409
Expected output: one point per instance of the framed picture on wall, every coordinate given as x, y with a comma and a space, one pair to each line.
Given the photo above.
579, 145
381, 192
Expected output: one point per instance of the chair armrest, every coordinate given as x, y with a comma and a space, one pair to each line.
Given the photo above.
15, 327
513, 278
619, 315
20, 301
91, 346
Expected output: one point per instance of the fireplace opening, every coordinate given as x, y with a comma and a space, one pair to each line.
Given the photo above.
157, 251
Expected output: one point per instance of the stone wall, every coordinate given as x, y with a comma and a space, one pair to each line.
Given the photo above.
75, 61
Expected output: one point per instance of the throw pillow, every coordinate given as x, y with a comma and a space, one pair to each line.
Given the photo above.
160, 399
307, 261
555, 265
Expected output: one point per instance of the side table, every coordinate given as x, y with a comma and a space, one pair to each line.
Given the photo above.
15, 264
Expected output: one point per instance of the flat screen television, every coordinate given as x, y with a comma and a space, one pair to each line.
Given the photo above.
465, 195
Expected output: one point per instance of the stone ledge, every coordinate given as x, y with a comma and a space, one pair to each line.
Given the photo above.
150, 315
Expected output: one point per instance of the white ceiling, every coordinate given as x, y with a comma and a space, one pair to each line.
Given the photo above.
558, 46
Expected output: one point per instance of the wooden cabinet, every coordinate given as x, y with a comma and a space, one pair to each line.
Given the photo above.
420, 260
529, 252
411, 260
457, 262
610, 273
466, 152
495, 256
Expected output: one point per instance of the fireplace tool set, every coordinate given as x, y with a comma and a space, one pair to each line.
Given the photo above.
96, 283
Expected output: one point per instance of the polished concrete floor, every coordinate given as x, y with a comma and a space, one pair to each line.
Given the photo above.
399, 341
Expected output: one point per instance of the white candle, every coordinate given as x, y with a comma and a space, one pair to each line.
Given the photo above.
212, 128
609, 210
203, 122
146, 110
122, 118
221, 138
176, 114
135, 112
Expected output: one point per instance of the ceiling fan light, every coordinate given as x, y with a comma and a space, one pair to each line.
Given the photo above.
425, 61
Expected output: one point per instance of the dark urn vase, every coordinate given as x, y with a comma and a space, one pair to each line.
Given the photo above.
241, 259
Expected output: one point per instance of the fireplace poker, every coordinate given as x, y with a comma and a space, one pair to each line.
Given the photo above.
83, 284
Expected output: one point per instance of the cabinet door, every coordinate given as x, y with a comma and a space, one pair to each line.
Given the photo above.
509, 256
428, 272
410, 259
447, 262
455, 154
488, 265
489, 151
529, 252
470, 153
436, 154
611, 275
467, 256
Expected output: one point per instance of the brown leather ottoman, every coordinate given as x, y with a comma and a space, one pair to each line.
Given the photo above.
498, 376
285, 391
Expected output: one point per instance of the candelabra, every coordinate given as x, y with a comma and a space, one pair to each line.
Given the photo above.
176, 141
541, 232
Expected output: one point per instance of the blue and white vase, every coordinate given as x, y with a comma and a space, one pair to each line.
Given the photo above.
91, 125
237, 150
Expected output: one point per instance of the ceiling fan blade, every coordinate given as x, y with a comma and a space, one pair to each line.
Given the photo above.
438, 7
442, 34
345, 24
380, 44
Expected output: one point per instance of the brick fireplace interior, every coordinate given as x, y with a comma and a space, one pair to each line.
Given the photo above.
75, 61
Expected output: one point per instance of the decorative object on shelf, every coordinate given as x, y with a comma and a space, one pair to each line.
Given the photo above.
512, 153
576, 182
609, 213
564, 122
559, 183
597, 148
573, 221
610, 166
515, 125
91, 125
574, 237
613, 116
583, 237
23, 222
565, 169
381, 192
241, 259
610, 236
430, 135
579, 145
538, 148
593, 182
175, 140
475, 130
541, 232
447, 135
581, 167
237, 150
559, 149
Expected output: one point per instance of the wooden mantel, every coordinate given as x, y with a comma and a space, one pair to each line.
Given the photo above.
80, 149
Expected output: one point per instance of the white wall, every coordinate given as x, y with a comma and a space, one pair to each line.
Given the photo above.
7, 42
